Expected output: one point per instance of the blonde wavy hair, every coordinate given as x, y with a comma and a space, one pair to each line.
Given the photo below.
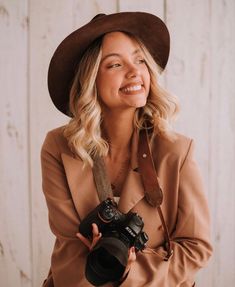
83, 132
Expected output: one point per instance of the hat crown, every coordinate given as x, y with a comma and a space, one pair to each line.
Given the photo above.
98, 16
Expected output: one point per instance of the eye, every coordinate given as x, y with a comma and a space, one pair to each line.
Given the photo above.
115, 65
141, 61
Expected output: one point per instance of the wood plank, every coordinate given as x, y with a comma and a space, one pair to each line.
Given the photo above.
222, 142
188, 76
15, 232
51, 22
150, 6
201, 73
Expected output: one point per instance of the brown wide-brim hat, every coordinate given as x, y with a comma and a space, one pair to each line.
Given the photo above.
150, 29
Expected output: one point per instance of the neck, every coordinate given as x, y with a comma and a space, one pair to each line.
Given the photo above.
118, 130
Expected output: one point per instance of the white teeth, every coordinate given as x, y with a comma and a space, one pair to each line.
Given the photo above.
133, 88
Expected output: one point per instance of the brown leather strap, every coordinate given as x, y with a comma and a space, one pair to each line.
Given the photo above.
153, 191
147, 170
167, 235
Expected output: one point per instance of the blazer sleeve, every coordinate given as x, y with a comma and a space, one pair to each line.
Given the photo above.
69, 254
190, 239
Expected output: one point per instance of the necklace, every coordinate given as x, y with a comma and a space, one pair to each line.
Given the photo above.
118, 181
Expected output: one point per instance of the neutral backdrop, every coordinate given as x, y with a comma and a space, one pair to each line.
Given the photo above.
200, 72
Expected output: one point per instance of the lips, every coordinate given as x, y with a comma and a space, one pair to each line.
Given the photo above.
132, 88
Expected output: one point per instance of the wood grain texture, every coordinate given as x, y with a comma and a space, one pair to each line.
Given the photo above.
15, 214
201, 74
188, 70
188, 76
222, 142
150, 6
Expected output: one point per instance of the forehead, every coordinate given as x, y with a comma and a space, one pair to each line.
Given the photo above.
118, 41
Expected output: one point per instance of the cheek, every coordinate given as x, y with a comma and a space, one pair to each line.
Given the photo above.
108, 84
147, 75
106, 93
147, 81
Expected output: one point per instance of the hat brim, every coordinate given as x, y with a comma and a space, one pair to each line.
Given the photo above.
150, 29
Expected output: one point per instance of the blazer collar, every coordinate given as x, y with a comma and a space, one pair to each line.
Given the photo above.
83, 189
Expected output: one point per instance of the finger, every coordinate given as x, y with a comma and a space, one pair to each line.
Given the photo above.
95, 230
131, 251
132, 255
84, 240
95, 240
131, 259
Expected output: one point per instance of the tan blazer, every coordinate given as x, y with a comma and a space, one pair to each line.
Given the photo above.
71, 193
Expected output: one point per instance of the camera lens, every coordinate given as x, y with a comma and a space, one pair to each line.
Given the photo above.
107, 261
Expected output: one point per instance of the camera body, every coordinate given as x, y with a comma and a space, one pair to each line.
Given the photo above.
114, 224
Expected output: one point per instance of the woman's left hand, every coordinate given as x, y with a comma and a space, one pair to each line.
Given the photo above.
96, 237
131, 259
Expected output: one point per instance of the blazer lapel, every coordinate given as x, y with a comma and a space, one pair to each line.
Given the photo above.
133, 190
81, 184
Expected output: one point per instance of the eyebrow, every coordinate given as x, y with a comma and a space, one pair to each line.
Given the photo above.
118, 55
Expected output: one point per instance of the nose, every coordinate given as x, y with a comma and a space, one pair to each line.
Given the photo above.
132, 71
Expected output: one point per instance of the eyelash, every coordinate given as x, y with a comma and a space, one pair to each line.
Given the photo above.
114, 65
140, 61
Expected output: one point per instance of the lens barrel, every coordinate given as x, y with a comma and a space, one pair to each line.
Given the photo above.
107, 261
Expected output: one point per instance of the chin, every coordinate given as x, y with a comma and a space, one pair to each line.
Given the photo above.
136, 102
139, 104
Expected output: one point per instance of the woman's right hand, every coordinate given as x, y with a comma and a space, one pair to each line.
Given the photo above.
96, 237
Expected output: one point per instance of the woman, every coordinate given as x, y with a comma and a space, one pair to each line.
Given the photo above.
105, 76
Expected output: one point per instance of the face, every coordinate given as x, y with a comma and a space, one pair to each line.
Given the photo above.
123, 78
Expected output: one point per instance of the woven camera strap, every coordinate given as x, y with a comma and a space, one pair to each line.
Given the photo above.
153, 192
102, 182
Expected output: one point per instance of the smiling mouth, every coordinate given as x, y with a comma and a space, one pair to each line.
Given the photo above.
131, 89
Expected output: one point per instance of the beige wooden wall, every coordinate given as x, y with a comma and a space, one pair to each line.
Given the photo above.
200, 72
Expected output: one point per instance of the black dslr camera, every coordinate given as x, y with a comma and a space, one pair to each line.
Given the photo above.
107, 260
